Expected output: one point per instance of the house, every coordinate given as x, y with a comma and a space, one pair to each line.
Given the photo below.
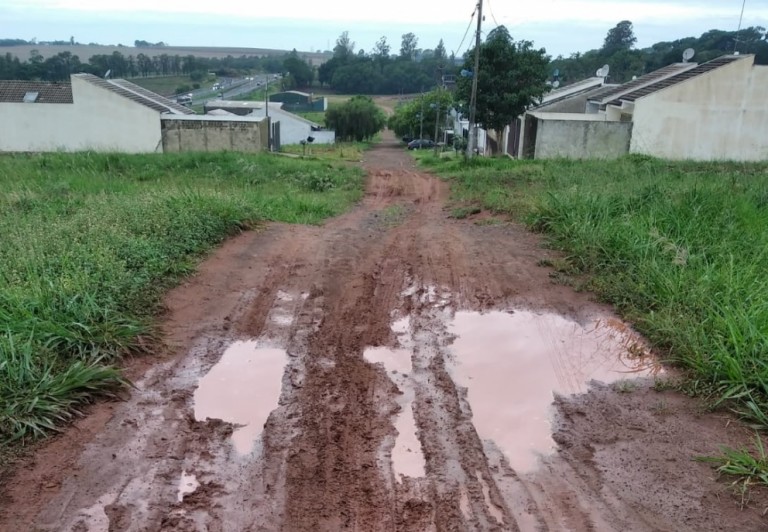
569, 99
91, 113
713, 111
292, 128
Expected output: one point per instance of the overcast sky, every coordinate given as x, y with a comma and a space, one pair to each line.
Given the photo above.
560, 26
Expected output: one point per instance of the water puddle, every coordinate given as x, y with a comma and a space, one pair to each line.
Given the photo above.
511, 363
242, 388
492, 508
187, 484
407, 454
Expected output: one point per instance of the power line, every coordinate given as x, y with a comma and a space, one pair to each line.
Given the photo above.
456, 51
492, 15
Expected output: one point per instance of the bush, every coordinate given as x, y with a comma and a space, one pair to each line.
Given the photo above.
358, 119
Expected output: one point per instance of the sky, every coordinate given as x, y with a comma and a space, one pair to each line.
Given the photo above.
560, 26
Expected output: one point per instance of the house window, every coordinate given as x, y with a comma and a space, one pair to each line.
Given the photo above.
31, 97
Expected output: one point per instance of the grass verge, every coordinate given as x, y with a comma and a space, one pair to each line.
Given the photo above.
679, 248
340, 151
92, 241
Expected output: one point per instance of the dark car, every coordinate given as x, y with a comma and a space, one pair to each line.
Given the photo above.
419, 144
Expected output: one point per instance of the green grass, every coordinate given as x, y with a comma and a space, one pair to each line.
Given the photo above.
318, 117
680, 249
92, 241
748, 468
341, 151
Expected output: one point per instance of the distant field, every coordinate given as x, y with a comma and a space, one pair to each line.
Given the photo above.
166, 85
84, 52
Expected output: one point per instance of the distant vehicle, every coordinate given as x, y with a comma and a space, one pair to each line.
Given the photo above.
186, 99
419, 144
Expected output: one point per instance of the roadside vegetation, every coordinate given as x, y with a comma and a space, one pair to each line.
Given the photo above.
340, 151
92, 241
680, 248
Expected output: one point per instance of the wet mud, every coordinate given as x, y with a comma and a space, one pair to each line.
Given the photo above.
379, 373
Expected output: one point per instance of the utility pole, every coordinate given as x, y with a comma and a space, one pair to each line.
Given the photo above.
437, 124
472, 144
266, 114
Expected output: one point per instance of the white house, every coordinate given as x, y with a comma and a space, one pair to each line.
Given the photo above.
713, 111
89, 113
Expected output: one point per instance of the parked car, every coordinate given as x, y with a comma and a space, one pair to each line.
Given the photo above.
419, 144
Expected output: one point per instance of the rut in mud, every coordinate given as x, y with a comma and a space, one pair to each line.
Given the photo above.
390, 370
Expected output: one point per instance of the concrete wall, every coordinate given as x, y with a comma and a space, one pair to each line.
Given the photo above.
213, 134
720, 115
581, 139
98, 120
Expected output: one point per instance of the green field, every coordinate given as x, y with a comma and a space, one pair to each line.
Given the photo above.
680, 249
166, 85
92, 241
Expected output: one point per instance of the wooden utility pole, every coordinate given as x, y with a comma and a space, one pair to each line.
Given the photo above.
472, 144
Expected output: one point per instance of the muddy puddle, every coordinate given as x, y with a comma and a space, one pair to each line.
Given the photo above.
513, 363
407, 454
242, 388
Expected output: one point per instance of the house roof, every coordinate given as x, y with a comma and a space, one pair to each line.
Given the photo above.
685, 75
136, 94
141, 91
15, 92
646, 79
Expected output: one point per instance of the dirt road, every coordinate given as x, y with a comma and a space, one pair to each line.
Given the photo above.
393, 369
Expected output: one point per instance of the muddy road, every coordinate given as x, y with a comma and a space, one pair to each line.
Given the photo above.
394, 369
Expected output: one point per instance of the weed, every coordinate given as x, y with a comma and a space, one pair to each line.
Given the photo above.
749, 468
461, 213
625, 386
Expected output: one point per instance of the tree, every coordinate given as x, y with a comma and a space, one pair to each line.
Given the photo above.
344, 48
407, 119
408, 47
512, 77
358, 119
621, 37
298, 69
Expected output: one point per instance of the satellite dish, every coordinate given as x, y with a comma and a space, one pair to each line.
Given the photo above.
106, 76
606, 69
688, 54
556, 84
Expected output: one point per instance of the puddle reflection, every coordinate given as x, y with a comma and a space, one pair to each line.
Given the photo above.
511, 363
242, 388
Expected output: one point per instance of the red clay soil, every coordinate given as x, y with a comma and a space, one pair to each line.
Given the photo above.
324, 460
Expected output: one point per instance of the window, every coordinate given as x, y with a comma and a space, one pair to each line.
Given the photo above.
31, 97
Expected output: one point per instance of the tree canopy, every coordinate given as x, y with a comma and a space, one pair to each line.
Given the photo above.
357, 119
626, 61
407, 119
512, 77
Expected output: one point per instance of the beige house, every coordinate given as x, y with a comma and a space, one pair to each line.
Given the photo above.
714, 111
91, 113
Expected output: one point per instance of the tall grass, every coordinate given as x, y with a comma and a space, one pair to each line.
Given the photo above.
91, 241
680, 248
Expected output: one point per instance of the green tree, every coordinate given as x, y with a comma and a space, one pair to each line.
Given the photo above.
344, 48
432, 106
358, 119
408, 47
512, 77
621, 37
298, 69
